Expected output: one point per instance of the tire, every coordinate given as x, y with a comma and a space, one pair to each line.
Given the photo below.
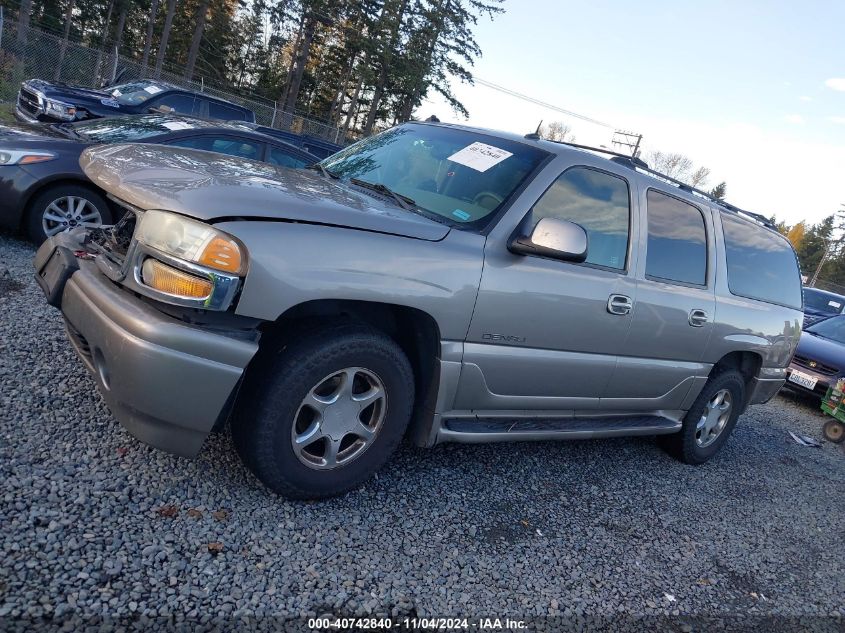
696, 445
275, 411
95, 211
834, 431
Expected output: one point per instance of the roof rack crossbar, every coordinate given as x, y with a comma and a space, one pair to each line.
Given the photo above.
637, 164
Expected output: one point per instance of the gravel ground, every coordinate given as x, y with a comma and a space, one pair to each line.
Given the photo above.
95, 523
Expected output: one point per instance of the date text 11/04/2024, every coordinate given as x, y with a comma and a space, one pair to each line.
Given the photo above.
364, 624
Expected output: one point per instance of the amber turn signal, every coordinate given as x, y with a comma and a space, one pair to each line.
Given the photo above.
167, 279
221, 254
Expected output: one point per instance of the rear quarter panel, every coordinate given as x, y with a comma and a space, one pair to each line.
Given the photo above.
742, 324
292, 263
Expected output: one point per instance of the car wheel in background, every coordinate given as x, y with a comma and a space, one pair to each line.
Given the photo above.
323, 415
63, 207
834, 431
710, 420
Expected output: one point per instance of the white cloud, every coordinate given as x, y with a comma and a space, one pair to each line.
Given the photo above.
796, 119
837, 119
805, 98
836, 83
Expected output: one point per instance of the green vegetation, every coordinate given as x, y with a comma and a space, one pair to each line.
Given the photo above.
7, 113
356, 64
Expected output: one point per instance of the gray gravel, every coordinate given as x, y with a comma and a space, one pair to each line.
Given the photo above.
94, 522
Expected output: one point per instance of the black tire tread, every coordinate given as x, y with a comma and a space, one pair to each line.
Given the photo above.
682, 445
309, 349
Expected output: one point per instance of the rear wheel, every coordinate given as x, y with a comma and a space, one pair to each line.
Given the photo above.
63, 207
710, 420
325, 414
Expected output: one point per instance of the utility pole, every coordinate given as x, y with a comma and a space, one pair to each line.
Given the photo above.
821, 263
630, 140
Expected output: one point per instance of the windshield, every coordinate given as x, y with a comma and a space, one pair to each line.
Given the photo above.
457, 176
129, 128
137, 92
833, 329
822, 302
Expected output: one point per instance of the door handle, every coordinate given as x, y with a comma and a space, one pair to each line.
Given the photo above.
619, 304
697, 318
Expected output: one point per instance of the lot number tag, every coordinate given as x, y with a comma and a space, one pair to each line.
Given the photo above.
480, 156
153, 90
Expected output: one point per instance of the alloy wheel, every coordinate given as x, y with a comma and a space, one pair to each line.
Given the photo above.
339, 418
714, 419
69, 212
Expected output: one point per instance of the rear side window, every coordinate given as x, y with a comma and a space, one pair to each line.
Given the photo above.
176, 103
761, 263
222, 145
286, 159
600, 203
677, 240
224, 112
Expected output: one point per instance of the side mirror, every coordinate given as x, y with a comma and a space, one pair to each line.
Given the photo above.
556, 238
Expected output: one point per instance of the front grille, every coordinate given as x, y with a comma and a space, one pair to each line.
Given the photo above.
814, 365
114, 241
28, 102
812, 319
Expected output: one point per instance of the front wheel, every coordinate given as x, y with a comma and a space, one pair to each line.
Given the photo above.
325, 414
63, 207
710, 420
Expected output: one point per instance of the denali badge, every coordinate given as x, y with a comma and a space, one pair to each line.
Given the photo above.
504, 338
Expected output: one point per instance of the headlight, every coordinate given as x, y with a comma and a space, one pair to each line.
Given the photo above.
192, 241
60, 109
22, 157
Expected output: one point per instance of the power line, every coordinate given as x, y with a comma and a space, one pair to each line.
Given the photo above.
550, 106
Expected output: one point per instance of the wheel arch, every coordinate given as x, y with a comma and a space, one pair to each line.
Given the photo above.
747, 363
414, 330
54, 181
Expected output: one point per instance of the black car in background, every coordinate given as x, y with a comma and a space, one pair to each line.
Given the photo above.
44, 101
820, 305
43, 190
819, 360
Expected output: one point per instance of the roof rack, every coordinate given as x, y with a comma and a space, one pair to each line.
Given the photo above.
637, 164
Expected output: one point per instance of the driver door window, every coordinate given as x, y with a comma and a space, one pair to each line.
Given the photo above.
600, 203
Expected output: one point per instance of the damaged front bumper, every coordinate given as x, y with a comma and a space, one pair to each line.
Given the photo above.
167, 382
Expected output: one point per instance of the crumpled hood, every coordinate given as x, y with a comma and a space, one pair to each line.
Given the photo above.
211, 187
67, 93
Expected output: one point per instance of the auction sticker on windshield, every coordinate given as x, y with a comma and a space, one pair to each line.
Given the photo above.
805, 380
153, 90
480, 156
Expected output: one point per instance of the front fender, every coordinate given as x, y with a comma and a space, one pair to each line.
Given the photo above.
294, 263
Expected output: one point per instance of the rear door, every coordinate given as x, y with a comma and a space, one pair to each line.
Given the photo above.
542, 337
672, 319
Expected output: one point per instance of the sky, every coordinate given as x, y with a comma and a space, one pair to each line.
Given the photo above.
754, 90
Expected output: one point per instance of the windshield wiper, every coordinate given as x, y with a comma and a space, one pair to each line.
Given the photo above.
403, 201
66, 129
324, 171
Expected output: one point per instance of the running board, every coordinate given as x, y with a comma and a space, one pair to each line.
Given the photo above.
476, 430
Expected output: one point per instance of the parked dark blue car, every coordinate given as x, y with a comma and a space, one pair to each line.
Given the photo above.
43, 190
819, 360
820, 305
44, 101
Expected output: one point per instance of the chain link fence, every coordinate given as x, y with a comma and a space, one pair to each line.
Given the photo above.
829, 286
45, 56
